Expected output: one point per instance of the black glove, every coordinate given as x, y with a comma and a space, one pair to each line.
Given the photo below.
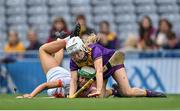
62, 34
76, 30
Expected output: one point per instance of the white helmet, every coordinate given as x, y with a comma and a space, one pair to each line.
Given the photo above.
75, 44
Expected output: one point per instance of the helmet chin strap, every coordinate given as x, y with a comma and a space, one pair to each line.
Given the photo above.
85, 57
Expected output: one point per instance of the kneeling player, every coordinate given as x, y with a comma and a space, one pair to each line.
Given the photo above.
84, 75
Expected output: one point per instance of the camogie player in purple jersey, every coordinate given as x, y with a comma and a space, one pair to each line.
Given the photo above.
97, 56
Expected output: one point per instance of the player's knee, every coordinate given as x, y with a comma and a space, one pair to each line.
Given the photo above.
41, 48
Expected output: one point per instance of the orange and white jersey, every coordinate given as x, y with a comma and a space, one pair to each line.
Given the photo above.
62, 75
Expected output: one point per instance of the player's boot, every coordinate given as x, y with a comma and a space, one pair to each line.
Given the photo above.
154, 94
115, 92
76, 30
61, 34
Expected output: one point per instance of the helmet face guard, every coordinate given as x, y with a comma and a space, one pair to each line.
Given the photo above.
74, 45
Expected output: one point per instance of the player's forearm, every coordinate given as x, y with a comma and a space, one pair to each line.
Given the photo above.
99, 79
98, 64
73, 87
38, 89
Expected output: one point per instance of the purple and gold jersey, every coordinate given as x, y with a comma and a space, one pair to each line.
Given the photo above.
87, 91
94, 52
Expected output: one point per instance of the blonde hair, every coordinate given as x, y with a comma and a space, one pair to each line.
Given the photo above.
91, 39
131, 41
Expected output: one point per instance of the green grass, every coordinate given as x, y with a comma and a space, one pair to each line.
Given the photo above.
10, 102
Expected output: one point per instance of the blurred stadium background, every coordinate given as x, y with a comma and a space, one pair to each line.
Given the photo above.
152, 55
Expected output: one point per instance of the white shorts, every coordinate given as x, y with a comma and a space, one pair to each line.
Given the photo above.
59, 73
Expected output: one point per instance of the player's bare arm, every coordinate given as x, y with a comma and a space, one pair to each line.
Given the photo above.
73, 83
99, 76
41, 87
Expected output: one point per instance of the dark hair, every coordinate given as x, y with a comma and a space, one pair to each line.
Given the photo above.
59, 19
81, 16
104, 22
167, 22
142, 30
54, 30
171, 35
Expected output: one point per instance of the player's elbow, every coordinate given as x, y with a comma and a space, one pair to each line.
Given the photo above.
41, 49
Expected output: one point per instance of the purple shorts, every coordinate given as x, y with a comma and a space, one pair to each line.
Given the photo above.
111, 71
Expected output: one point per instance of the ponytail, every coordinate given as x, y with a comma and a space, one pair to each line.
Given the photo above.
91, 39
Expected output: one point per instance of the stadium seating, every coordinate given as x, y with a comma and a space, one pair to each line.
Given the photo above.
99, 17
36, 10
2, 10
16, 19
125, 18
143, 2
16, 10
57, 2
15, 3
101, 2
168, 8
148, 8
79, 2
166, 1
129, 8
2, 23
80, 9
41, 13
54, 10
36, 2
122, 2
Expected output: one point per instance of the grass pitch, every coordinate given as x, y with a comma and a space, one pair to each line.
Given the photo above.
41, 103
